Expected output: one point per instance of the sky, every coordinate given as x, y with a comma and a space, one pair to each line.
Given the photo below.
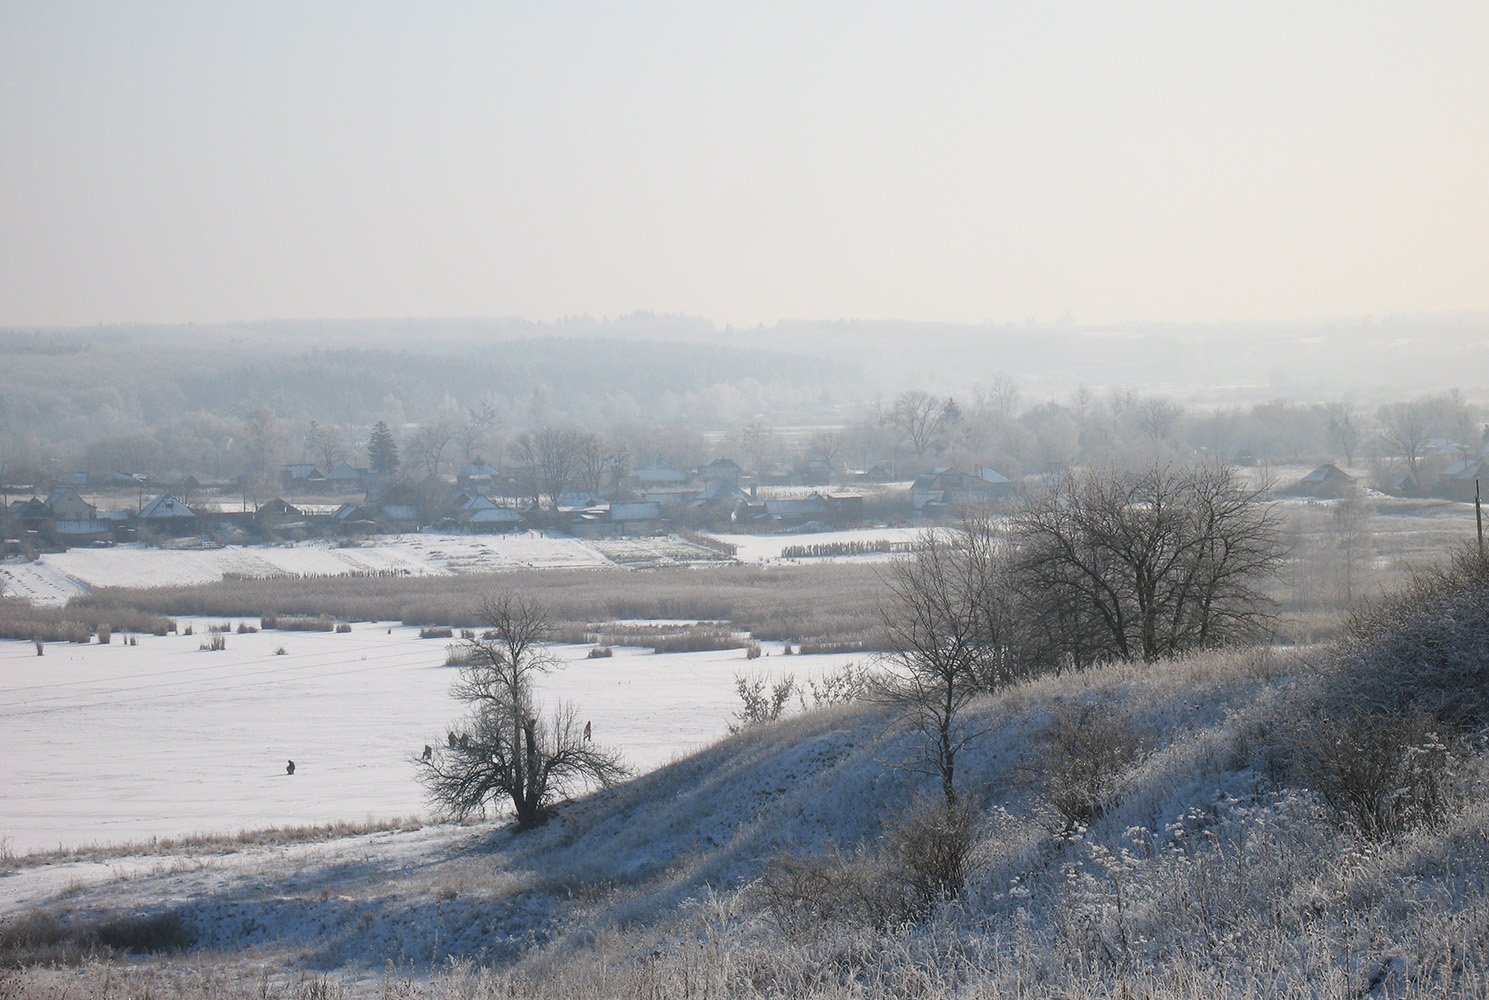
744, 162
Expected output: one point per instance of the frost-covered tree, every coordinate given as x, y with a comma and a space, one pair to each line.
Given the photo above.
504, 751
951, 630
1146, 564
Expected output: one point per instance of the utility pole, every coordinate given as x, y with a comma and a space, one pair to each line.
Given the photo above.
1478, 516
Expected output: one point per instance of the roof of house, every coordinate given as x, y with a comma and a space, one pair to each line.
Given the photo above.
805, 506
302, 471
477, 468
66, 494
492, 515
722, 489
661, 474
346, 471
1327, 473
1466, 470
165, 506
641, 510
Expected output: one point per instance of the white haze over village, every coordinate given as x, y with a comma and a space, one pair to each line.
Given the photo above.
838, 500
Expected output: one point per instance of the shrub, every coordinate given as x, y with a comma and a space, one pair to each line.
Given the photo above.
1426, 646
1383, 773
600, 652
752, 651
915, 866
281, 651
344, 627
216, 642
246, 629
759, 706
105, 635
434, 632
851, 682
1081, 759
148, 934
457, 655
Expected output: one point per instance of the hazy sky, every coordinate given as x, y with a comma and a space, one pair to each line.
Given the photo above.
744, 161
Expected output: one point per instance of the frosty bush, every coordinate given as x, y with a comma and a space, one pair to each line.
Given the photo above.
1082, 756
1426, 646
760, 700
917, 864
1383, 773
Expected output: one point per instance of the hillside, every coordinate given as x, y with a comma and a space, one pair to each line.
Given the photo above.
1217, 856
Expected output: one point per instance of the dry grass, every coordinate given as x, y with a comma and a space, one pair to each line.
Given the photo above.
243, 840
829, 604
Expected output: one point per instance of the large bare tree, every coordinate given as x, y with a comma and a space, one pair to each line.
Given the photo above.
504, 751
1145, 564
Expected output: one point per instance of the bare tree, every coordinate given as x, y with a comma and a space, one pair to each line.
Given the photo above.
1406, 426
1146, 564
504, 751
950, 632
326, 444
549, 460
263, 452
1158, 417
1344, 430
425, 450
918, 417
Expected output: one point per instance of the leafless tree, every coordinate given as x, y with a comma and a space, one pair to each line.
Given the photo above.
950, 630
918, 417
1158, 417
825, 446
424, 453
504, 751
548, 460
1344, 430
1406, 427
326, 444
592, 461
263, 452
1146, 564
475, 431
999, 397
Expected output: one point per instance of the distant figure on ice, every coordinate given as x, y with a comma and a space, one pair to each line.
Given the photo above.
452, 741
586, 732
428, 751
289, 768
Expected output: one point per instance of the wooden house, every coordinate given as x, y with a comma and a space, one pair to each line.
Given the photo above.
1325, 482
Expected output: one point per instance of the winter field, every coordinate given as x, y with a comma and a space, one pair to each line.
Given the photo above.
112, 743
55, 577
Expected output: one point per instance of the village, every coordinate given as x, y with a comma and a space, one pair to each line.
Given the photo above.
350, 502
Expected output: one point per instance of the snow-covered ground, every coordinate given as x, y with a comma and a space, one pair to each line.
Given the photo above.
768, 548
110, 743
56, 577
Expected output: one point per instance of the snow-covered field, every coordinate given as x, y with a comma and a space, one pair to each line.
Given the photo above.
110, 743
768, 548
55, 577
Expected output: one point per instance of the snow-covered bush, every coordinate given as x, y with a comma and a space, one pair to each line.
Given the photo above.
1425, 646
1082, 757
1381, 772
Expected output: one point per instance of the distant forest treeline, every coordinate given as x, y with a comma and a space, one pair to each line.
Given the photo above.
218, 401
